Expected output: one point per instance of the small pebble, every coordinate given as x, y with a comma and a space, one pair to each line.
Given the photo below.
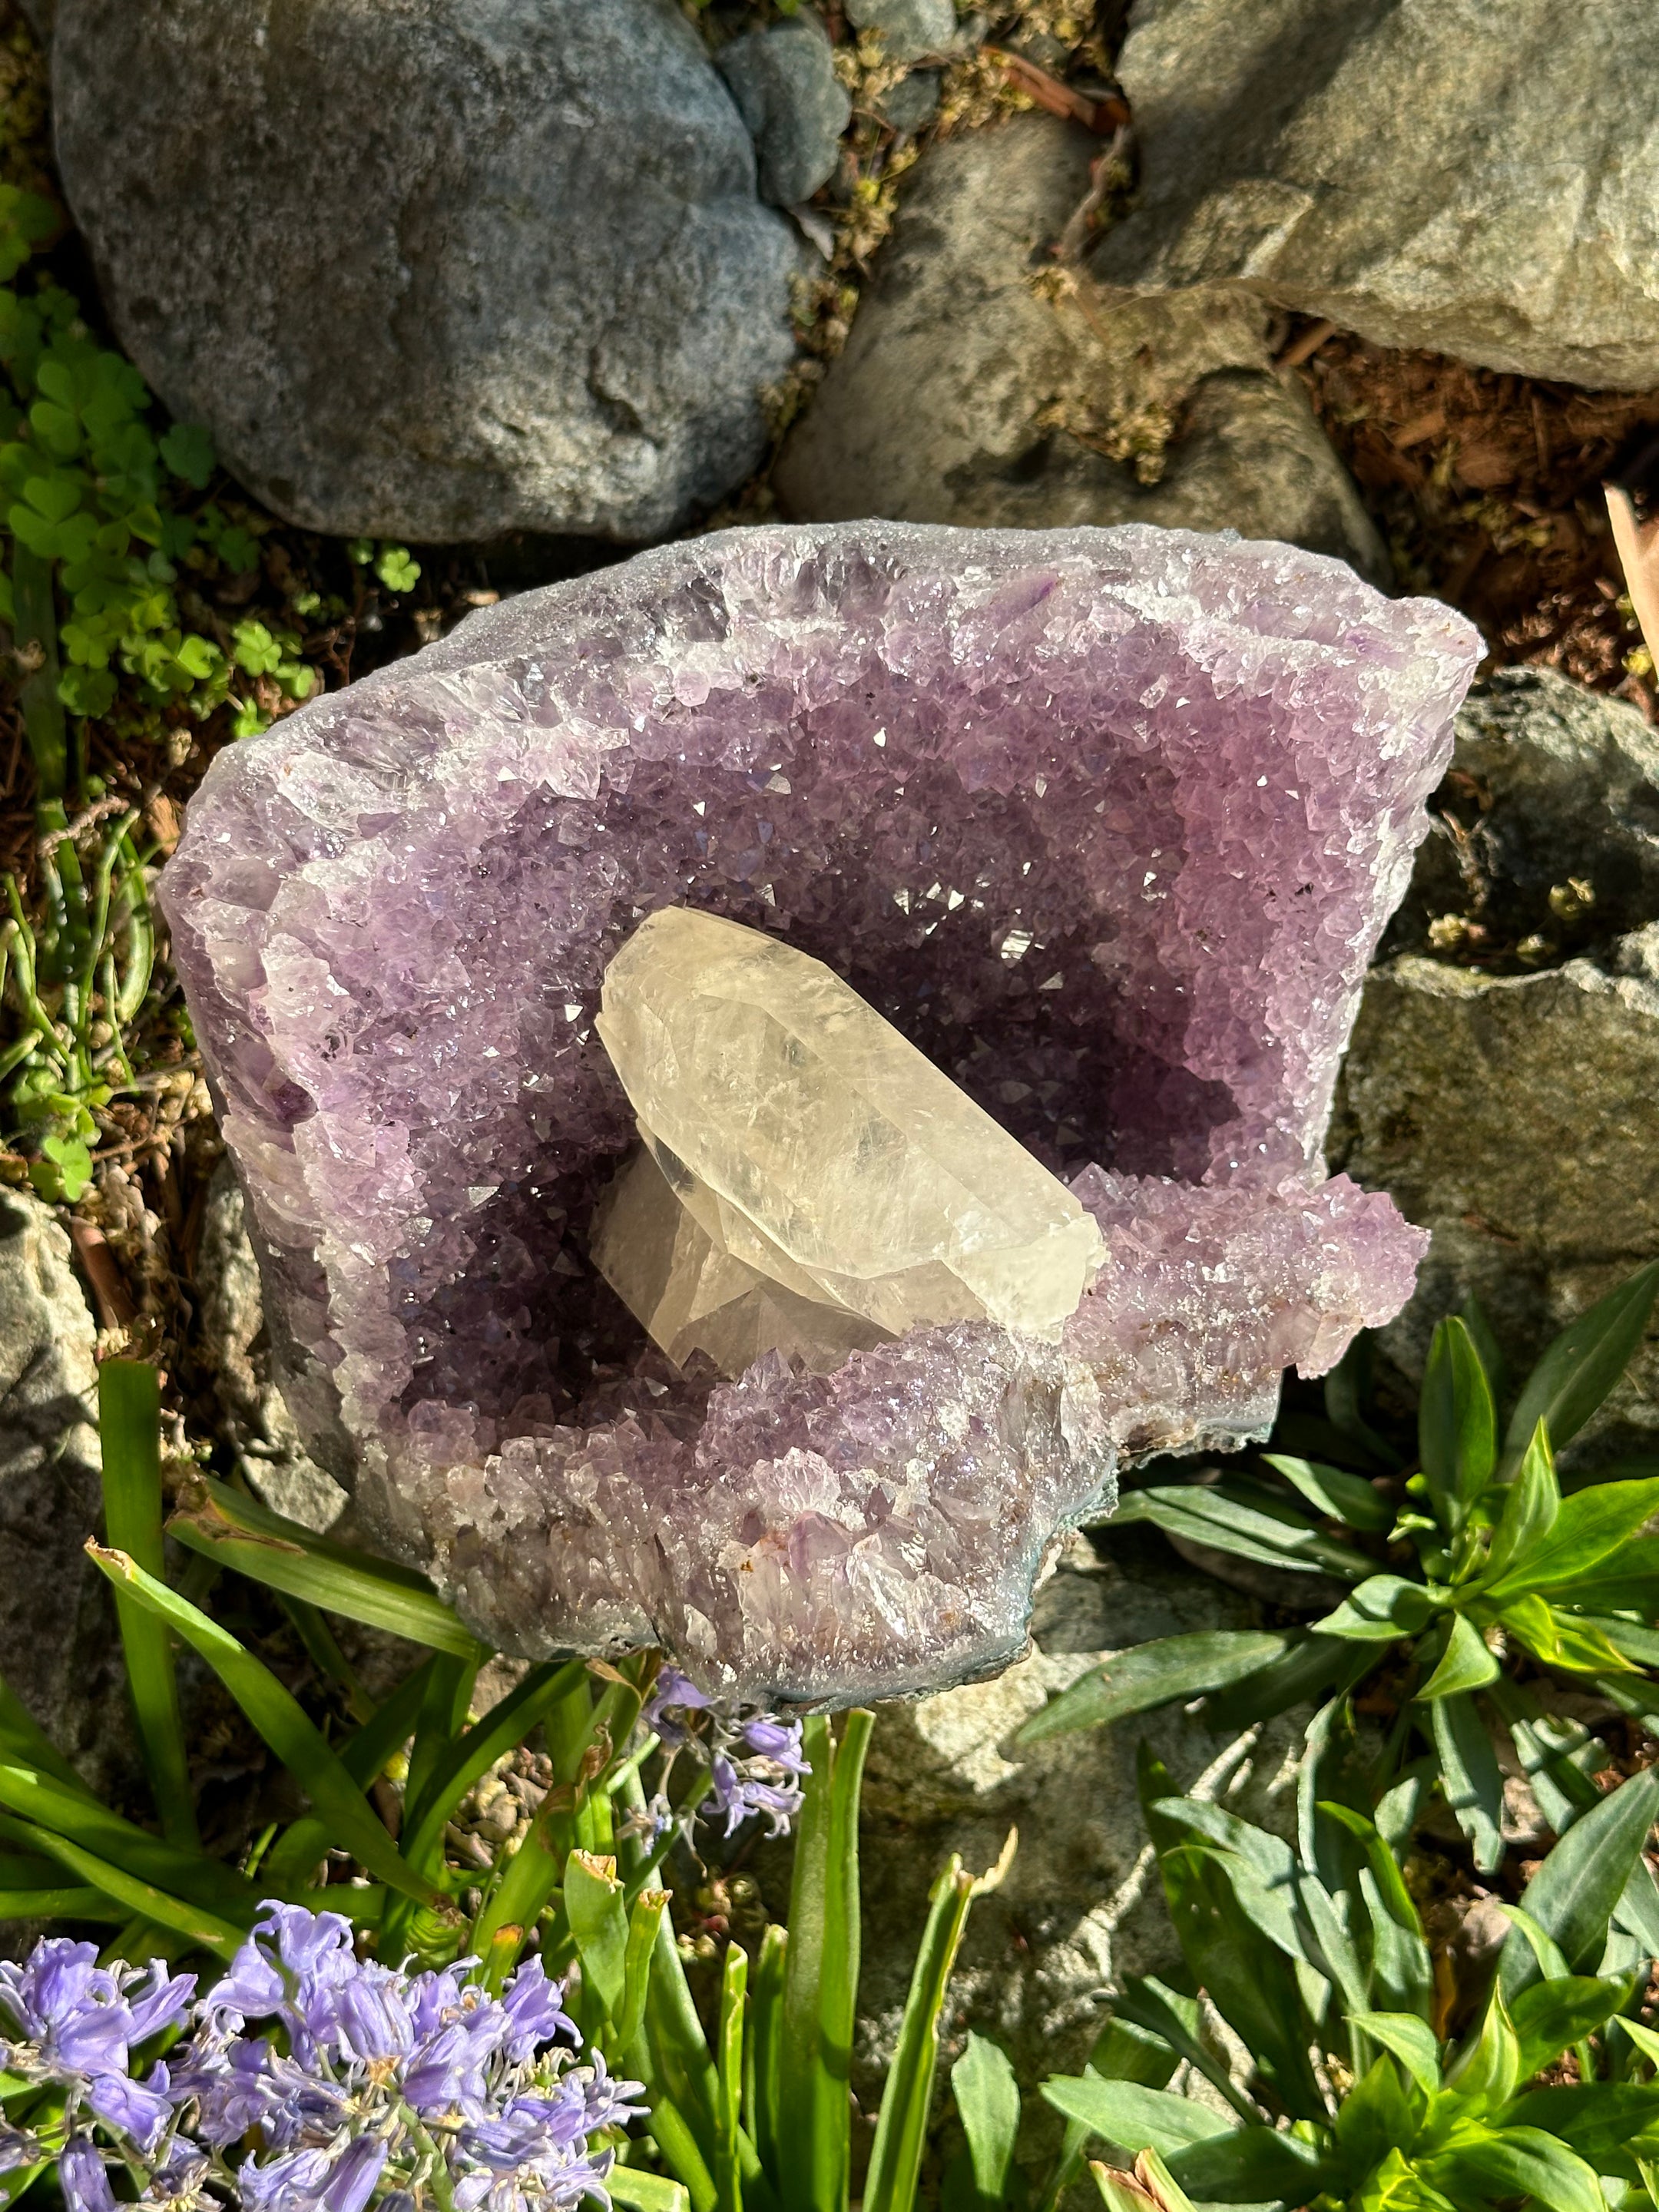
909, 29
784, 83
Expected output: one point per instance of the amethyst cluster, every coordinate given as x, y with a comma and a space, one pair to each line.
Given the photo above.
1108, 823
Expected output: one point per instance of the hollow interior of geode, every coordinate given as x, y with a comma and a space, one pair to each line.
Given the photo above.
1073, 887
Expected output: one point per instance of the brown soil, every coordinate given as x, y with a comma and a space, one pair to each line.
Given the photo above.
1488, 490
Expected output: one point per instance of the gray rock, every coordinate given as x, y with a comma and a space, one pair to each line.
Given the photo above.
969, 394
1079, 1903
908, 28
1512, 1114
58, 1647
232, 1342
914, 101
784, 82
453, 267
1477, 177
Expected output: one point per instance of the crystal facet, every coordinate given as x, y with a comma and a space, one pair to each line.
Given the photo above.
820, 1150
1106, 824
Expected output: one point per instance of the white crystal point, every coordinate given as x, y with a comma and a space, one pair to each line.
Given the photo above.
814, 1145
693, 1295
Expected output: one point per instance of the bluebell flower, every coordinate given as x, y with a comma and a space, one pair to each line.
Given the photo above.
754, 1761
336, 2084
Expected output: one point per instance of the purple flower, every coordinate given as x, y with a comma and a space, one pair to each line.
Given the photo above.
341, 2179
294, 1967
81, 2174
79, 2022
739, 1794
140, 2110
534, 2007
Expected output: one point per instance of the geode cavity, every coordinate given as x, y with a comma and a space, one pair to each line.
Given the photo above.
1107, 822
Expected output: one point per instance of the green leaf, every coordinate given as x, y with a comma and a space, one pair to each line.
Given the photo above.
1457, 1425
593, 1904
1206, 1515
239, 1532
187, 449
1156, 1673
1410, 2039
1551, 2016
1250, 2166
1563, 1639
396, 570
1378, 2113
1347, 1388
644, 1920
907, 2095
47, 1805
988, 2099
1132, 2118
1383, 1609
1529, 1509
1400, 1967
1574, 1893
637, 2191
728, 2062
1333, 1492
1592, 1525
281, 1721
821, 1968
1464, 1664
1517, 2162
1469, 1777
1313, 1666
190, 1919
1482, 2077
505, 1726
130, 1434
1217, 1909
1582, 1364
1600, 2120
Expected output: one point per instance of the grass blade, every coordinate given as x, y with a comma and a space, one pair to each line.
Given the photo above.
838, 1971
40, 1803
24, 1742
761, 2089
133, 1895
353, 1823
902, 2127
1469, 1775
1577, 1889
638, 2191
798, 2056
728, 2066
237, 1531
129, 1432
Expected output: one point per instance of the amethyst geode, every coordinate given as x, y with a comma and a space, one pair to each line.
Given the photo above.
1108, 822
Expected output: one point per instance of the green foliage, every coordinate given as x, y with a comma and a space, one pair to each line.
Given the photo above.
105, 527
1320, 1952
1474, 1584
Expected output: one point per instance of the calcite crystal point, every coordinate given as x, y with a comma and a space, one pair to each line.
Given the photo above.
1106, 823
819, 1150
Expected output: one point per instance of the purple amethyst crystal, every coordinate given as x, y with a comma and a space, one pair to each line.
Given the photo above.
1107, 822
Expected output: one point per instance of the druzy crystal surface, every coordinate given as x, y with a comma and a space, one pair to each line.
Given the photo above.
1106, 823
816, 1147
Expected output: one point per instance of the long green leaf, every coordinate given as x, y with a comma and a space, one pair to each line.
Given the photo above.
1145, 2003
1314, 1666
366, 1751
237, 1531
1135, 2118
192, 1921
838, 1973
1470, 1777
1581, 1366
70, 1904
1456, 1424
1207, 1515
1335, 1493
39, 1800
767, 2122
1575, 1892
799, 2062
728, 2066
1516, 2162
639, 2192
1529, 1510
1409, 2040
1592, 1525
283, 1725
24, 1742
1383, 1608
130, 1437
593, 1904
901, 2125
1551, 2016
1151, 1674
